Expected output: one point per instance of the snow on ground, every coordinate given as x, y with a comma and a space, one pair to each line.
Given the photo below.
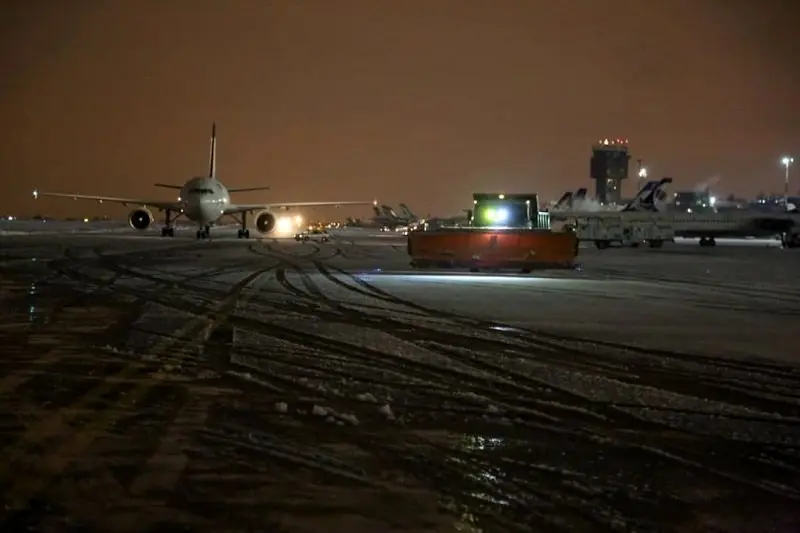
652, 313
648, 390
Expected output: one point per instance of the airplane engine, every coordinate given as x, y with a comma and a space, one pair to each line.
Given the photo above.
140, 219
266, 222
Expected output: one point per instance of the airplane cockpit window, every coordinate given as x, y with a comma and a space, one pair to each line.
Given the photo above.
201, 191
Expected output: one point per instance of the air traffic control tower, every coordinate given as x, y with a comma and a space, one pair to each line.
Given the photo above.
609, 167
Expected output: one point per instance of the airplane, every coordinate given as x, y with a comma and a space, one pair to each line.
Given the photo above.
647, 199
390, 219
578, 202
387, 219
203, 200
736, 224
457, 220
368, 223
569, 200
708, 226
647, 207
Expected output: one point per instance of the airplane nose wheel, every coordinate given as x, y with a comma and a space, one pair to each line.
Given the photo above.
204, 233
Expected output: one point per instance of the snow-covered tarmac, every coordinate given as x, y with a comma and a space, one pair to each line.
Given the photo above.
330, 386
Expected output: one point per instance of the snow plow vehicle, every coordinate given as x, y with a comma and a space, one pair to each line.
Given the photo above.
504, 232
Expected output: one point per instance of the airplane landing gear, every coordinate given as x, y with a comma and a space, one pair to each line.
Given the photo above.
168, 230
708, 241
789, 240
243, 233
204, 232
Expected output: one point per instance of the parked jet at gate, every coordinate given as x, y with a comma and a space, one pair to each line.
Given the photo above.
647, 199
203, 200
645, 207
386, 218
390, 219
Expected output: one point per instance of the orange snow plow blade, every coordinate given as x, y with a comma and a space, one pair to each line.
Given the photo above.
491, 249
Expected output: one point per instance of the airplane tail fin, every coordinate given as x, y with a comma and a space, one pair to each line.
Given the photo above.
578, 199
377, 211
657, 196
407, 212
564, 201
388, 211
646, 198
212, 159
633, 205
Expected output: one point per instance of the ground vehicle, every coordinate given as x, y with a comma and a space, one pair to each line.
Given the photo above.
605, 230
314, 234
506, 232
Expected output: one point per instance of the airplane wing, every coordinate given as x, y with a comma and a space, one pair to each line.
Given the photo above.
243, 208
158, 204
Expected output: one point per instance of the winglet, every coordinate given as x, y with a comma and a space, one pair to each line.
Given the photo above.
212, 160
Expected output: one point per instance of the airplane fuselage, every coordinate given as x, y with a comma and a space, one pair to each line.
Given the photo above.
733, 224
204, 200
699, 225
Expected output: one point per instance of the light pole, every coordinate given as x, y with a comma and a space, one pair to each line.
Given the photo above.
786, 161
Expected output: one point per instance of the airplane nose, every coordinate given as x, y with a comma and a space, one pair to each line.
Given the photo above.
209, 210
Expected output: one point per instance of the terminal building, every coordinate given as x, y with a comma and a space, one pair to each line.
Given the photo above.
609, 167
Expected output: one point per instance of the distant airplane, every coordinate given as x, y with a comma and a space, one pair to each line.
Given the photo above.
387, 219
462, 219
647, 206
649, 198
203, 200
736, 224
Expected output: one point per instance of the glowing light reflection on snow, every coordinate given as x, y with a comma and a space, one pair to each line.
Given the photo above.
454, 278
